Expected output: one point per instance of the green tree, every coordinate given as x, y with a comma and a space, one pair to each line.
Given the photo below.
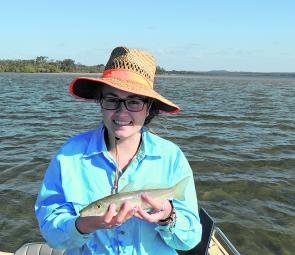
160, 70
68, 65
41, 60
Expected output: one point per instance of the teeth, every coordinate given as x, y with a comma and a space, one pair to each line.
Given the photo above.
118, 122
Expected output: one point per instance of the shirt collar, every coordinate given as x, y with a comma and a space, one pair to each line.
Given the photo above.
96, 143
148, 145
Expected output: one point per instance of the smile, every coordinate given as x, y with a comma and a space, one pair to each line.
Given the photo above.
122, 123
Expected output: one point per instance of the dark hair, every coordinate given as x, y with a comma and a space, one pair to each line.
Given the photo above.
97, 93
152, 104
153, 111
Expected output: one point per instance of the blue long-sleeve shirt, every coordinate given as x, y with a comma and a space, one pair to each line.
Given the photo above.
83, 171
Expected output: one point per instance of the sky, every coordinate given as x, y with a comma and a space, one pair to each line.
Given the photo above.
192, 35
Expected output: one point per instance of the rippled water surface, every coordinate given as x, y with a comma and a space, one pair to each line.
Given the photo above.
238, 134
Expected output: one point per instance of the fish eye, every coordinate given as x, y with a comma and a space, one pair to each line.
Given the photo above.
98, 206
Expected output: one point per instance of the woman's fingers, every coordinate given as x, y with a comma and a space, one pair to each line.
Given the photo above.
154, 203
162, 208
155, 216
136, 213
124, 213
110, 213
111, 218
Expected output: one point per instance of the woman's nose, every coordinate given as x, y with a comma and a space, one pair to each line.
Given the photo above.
122, 107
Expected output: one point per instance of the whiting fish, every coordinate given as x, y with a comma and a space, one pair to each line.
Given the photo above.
99, 207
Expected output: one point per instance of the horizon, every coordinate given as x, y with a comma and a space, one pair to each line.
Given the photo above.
166, 70
233, 36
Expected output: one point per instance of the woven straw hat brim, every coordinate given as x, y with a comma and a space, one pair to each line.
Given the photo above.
85, 88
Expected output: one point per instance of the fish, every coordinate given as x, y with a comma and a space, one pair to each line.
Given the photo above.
100, 206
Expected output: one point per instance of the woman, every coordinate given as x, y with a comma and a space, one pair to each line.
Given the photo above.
121, 151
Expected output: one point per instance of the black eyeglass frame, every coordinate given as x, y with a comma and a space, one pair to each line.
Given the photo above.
120, 101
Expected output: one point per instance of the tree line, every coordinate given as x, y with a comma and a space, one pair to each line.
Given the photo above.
44, 65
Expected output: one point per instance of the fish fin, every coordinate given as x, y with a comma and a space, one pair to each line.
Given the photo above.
179, 188
130, 187
153, 186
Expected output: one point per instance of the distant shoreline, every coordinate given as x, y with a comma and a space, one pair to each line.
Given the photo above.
43, 64
187, 73
234, 74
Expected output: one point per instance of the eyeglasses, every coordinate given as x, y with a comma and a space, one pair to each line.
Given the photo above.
131, 104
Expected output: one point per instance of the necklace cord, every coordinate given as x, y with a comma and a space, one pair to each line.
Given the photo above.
115, 188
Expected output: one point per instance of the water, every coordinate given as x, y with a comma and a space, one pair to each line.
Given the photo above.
238, 134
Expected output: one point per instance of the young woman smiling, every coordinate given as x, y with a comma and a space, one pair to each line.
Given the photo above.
105, 161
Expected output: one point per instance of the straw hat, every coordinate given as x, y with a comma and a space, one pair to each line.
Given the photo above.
130, 70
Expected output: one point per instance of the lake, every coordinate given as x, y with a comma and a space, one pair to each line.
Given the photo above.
238, 134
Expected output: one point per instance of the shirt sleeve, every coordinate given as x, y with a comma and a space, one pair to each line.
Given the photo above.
55, 216
187, 231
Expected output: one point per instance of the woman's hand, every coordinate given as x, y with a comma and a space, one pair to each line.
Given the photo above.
111, 218
161, 209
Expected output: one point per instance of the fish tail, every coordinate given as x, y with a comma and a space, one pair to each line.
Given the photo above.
179, 188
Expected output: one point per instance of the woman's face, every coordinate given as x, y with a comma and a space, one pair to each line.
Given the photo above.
122, 123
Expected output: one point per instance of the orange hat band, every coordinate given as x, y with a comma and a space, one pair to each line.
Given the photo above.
128, 75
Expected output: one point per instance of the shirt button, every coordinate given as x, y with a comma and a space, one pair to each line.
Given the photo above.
122, 232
